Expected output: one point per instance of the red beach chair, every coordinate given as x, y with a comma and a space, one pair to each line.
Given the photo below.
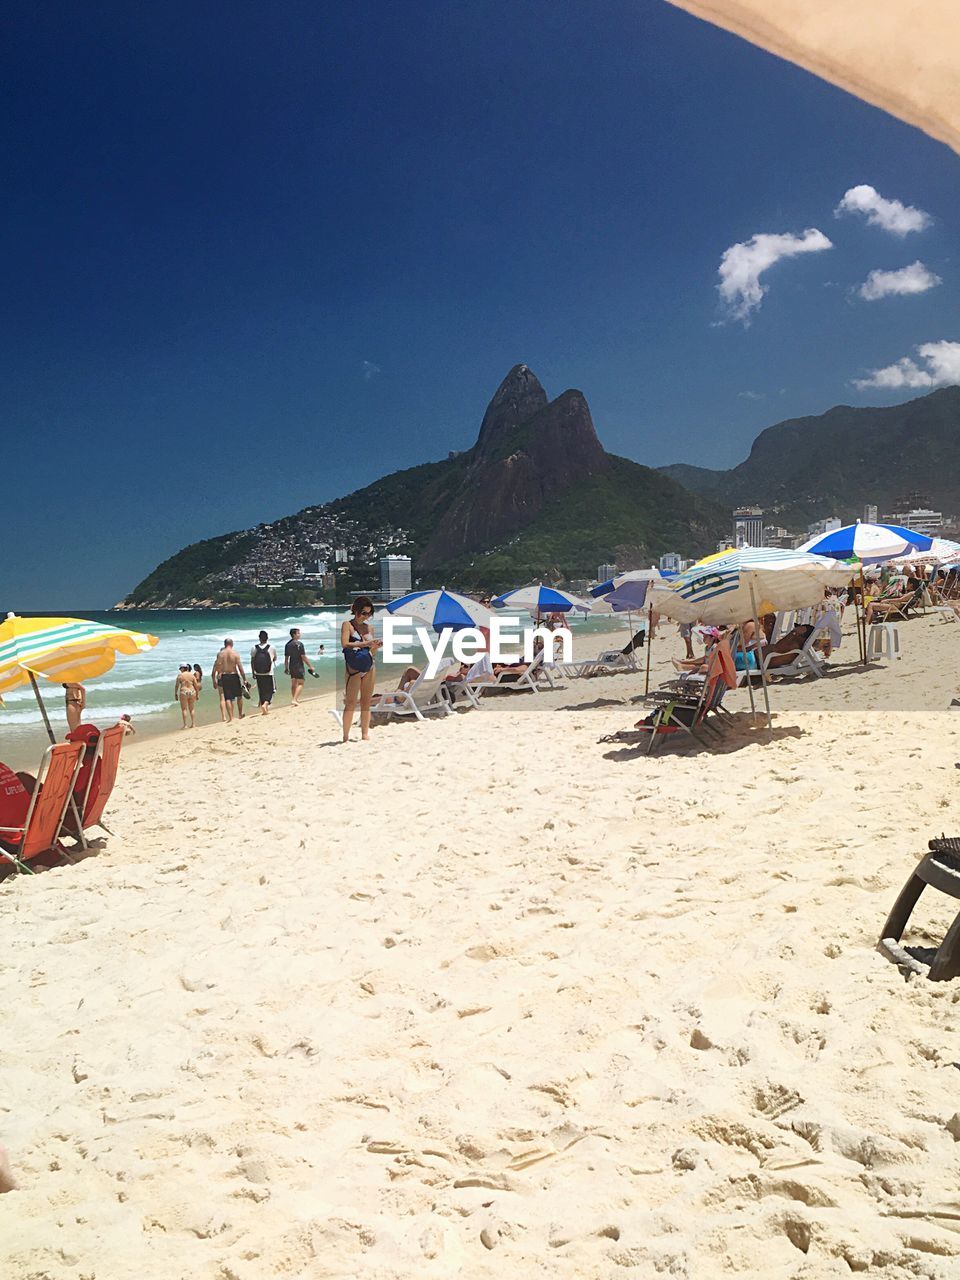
48, 803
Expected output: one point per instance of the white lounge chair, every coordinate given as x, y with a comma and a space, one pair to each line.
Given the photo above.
509, 679
605, 663
425, 694
470, 688
806, 660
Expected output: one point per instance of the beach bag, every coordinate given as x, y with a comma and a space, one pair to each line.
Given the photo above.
262, 662
358, 660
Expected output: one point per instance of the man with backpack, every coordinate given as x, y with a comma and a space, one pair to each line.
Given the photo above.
262, 659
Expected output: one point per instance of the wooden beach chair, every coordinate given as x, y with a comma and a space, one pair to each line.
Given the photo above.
48, 803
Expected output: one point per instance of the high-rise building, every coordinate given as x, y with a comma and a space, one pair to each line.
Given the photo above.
748, 527
870, 513
670, 562
605, 571
395, 576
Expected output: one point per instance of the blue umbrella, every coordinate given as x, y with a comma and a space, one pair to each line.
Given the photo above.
627, 592
540, 599
868, 543
442, 610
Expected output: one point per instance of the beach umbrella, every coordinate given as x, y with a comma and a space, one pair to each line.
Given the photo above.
442, 610
941, 551
723, 588
868, 543
540, 599
732, 586
62, 651
626, 592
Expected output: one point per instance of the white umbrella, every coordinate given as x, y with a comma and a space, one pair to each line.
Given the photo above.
732, 586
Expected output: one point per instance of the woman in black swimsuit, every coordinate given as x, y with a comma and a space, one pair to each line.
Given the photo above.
359, 647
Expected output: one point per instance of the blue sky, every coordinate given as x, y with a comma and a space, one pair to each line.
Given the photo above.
258, 255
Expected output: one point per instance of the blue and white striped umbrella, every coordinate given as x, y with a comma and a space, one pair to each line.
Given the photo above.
731, 586
540, 599
627, 592
868, 543
442, 610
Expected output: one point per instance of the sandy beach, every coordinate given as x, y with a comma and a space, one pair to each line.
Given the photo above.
488, 998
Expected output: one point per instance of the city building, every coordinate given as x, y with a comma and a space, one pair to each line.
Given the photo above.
820, 527
748, 527
919, 519
670, 562
605, 571
395, 576
726, 544
774, 535
870, 513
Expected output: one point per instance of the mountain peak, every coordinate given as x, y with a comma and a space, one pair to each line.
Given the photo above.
518, 397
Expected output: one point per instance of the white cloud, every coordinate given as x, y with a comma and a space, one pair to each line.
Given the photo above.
751, 395
916, 278
742, 265
938, 366
892, 215
370, 370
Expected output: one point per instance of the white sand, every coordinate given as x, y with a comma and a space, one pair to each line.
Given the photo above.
485, 998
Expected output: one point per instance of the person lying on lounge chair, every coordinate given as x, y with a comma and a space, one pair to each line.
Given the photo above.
786, 649
413, 674
878, 609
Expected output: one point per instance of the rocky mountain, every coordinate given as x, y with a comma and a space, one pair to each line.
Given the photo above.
834, 463
536, 496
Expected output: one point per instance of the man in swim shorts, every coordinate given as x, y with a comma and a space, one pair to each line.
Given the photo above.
228, 670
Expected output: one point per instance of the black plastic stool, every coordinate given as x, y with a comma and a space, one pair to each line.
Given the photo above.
940, 868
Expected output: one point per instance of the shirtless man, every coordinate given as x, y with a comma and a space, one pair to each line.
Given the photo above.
229, 674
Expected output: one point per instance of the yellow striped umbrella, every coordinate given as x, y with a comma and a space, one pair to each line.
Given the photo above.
61, 650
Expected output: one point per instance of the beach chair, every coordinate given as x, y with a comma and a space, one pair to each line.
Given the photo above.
426, 694
470, 688
685, 710
108, 760
807, 661
606, 663
44, 817
526, 680
893, 609
939, 868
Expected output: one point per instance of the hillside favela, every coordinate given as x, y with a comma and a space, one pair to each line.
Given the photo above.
479, 685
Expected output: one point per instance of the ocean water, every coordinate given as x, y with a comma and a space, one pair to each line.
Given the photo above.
142, 685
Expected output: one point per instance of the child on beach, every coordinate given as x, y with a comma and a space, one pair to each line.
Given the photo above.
127, 724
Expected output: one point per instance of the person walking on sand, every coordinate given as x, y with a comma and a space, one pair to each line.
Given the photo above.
229, 674
294, 660
263, 658
185, 692
359, 647
75, 698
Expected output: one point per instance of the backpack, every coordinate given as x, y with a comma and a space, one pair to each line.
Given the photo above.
261, 662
